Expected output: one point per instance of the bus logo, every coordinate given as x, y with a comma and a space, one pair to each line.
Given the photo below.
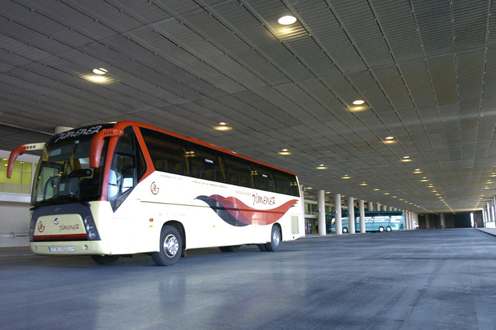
41, 228
154, 188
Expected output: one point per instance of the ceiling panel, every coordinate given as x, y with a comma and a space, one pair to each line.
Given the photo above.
425, 69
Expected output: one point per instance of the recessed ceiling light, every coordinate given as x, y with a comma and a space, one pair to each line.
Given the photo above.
346, 177
284, 152
358, 102
406, 159
98, 79
376, 189
389, 140
358, 108
287, 20
223, 127
363, 184
321, 167
417, 171
100, 71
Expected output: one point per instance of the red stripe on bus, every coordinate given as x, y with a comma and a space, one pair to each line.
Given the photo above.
70, 237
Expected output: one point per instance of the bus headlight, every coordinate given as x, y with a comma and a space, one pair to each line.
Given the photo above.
90, 228
32, 226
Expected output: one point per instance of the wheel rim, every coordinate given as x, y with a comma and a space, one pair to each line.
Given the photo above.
381, 229
171, 246
276, 237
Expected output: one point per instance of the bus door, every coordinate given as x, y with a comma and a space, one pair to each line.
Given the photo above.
127, 168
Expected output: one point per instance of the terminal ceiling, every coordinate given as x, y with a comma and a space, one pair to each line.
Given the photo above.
425, 69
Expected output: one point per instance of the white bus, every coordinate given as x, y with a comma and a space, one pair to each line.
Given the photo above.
125, 188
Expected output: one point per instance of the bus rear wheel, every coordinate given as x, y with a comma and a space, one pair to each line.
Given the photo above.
171, 247
275, 239
104, 260
388, 229
345, 230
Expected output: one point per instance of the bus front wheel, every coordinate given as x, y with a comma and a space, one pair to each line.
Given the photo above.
381, 229
171, 247
345, 230
275, 239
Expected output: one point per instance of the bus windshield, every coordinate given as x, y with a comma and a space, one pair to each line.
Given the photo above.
63, 174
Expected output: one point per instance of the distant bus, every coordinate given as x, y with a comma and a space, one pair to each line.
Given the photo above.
378, 221
123, 188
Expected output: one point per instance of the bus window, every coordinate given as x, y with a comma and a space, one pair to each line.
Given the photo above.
205, 164
168, 153
262, 179
286, 184
238, 172
128, 166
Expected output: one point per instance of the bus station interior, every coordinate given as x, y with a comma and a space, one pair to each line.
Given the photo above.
380, 105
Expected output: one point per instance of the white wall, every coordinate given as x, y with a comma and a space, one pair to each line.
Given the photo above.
14, 224
14, 212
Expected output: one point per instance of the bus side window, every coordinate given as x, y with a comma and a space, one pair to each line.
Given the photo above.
205, 163
262, 179
286, 184
168, 153
237, 172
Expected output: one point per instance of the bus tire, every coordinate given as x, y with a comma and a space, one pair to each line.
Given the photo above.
388, 229
345, 230
171, 247
381, 229
275, 239
104, 260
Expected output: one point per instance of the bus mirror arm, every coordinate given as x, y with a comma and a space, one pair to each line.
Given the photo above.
19, 151
97, 144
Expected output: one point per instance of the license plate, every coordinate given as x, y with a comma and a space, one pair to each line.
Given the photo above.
61, 249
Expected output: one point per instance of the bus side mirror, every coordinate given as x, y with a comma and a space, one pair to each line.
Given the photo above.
97, 144
19, 151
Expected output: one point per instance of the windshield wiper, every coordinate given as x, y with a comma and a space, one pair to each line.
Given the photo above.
65, 199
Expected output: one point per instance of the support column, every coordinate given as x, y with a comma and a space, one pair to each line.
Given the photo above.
321, 217
427, 222
370, 206
384, 208
489, 214
60, 129
377, 206
361, 206
351, 215
405, 214
443, 221
338, 218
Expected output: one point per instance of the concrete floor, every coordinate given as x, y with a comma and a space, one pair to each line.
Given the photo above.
425, 279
